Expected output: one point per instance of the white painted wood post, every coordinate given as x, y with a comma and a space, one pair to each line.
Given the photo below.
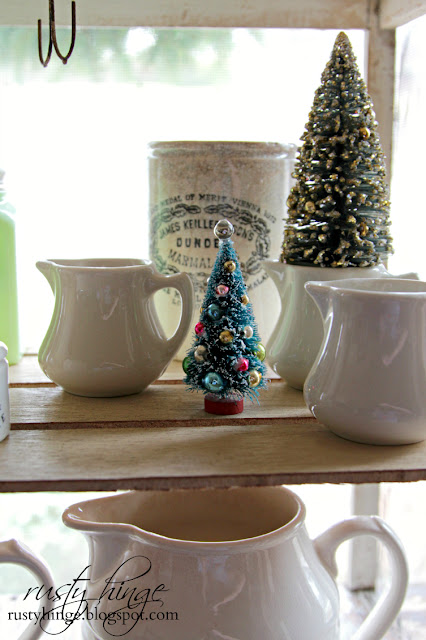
363, 552
362, 565
381, 78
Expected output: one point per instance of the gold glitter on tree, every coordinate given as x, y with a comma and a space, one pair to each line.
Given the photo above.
338, 210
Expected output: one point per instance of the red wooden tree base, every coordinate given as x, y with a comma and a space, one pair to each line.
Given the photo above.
223, 406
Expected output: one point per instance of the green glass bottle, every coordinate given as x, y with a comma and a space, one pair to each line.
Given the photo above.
9, 325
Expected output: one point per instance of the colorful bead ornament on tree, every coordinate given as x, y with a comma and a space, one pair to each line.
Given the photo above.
255, 378
214, 312
199, 328
226, 337
226, 359
213, 382
185, 363
260, 352
200, 353
248, 332
230, 266
222, 290
242, 364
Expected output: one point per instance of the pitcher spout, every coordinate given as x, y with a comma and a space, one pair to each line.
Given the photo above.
320, 293
276, 271
46, 268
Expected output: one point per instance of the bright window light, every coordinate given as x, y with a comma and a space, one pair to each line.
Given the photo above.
73, 139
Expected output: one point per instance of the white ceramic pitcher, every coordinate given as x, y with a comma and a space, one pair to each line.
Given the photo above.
368, 382
216, 564
105, 338
298, 333
14, 552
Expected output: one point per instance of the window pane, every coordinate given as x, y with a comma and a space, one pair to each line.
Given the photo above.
73, 138
408, 209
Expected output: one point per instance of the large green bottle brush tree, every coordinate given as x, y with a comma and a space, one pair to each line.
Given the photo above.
338, 210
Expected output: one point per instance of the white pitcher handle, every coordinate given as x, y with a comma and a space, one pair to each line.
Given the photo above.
12, 551
386, 609
183, 283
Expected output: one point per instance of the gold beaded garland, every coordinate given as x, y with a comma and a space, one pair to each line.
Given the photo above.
364, 132
310, 206
363, 229
245, 299
230, 266
291, 200
226, 337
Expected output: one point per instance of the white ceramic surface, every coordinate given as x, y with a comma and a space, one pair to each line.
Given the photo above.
368, 382
105, 338
13, 552
298, 333
195, 183
233, 563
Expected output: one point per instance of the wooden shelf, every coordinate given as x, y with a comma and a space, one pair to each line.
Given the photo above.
322, 14
163, 439
193, 13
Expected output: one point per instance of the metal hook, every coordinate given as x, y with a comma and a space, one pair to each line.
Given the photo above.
52, 36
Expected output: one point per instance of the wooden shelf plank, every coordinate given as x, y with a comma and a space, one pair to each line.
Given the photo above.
162, 439
321, 14
282, 452
394, 13
28, 373
160, 405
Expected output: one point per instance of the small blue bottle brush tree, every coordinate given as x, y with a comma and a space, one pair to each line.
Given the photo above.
225, 361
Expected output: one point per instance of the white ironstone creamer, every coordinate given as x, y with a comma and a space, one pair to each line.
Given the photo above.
216, 564
195, 184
